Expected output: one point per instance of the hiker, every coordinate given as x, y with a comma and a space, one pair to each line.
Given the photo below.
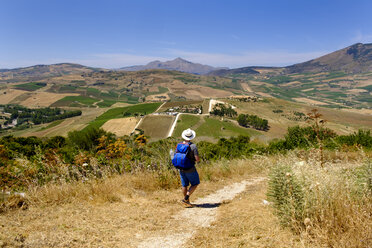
184, 160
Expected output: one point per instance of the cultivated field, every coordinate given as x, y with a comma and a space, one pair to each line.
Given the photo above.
67, 125
156, 126
121, 127
7, 95
211, 128
343, 122
43, 99
333, 89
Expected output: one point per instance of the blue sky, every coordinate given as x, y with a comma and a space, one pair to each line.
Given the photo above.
231, 33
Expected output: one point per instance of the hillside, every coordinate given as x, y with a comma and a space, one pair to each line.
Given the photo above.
356, 58
106, 88
280, 114
353, 59
342, 79
38, 72
177, 64
251, 70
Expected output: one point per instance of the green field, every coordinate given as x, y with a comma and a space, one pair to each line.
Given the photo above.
186, 121
210, 127
215, 128
32, 86
106, 103
67, 89
74, 101
93, 91
145, 108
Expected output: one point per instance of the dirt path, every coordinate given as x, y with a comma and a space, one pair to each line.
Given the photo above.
95, 104
160, 107
185, 223
171, 130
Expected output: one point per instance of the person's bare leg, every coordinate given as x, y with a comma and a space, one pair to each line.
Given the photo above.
191, 189
184, 191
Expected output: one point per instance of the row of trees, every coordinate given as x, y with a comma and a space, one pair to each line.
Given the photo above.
36, 116
254, 121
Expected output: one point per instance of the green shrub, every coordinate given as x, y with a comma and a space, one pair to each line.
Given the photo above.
86, 139
286, 192
361, 138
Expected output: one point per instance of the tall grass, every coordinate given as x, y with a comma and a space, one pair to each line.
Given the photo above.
328, 206
101, 184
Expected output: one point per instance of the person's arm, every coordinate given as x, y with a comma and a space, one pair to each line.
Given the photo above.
196, 153
197, 159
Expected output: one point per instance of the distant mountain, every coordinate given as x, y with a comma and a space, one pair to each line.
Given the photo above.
353, 59
37, 72
177, 64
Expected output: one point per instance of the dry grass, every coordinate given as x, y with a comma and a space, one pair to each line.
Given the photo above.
115, 212
104, 213
337, 204
6, 96
246, 222
123, 210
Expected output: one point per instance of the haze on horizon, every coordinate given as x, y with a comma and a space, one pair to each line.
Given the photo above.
115, 34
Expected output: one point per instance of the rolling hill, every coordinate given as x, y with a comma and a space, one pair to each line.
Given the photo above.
177, 64
356, 58
348, 85
251, 70
341, 79
353, 59
38, 72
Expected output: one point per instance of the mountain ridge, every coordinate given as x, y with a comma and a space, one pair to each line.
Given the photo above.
41, 71
177, 64
356, 58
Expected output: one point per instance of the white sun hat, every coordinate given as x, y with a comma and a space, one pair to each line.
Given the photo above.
188, 134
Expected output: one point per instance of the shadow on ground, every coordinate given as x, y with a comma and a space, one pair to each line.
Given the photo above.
207, 205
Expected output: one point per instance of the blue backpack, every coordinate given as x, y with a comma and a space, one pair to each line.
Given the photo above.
181, 158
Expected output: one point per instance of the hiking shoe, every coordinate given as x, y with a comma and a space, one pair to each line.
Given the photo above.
187, 203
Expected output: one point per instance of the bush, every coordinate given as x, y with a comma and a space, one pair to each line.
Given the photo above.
361, 138
286, 192
86, 139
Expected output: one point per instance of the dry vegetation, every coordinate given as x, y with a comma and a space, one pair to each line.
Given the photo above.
122, 211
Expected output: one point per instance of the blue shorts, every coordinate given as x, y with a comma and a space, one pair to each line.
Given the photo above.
189, 178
